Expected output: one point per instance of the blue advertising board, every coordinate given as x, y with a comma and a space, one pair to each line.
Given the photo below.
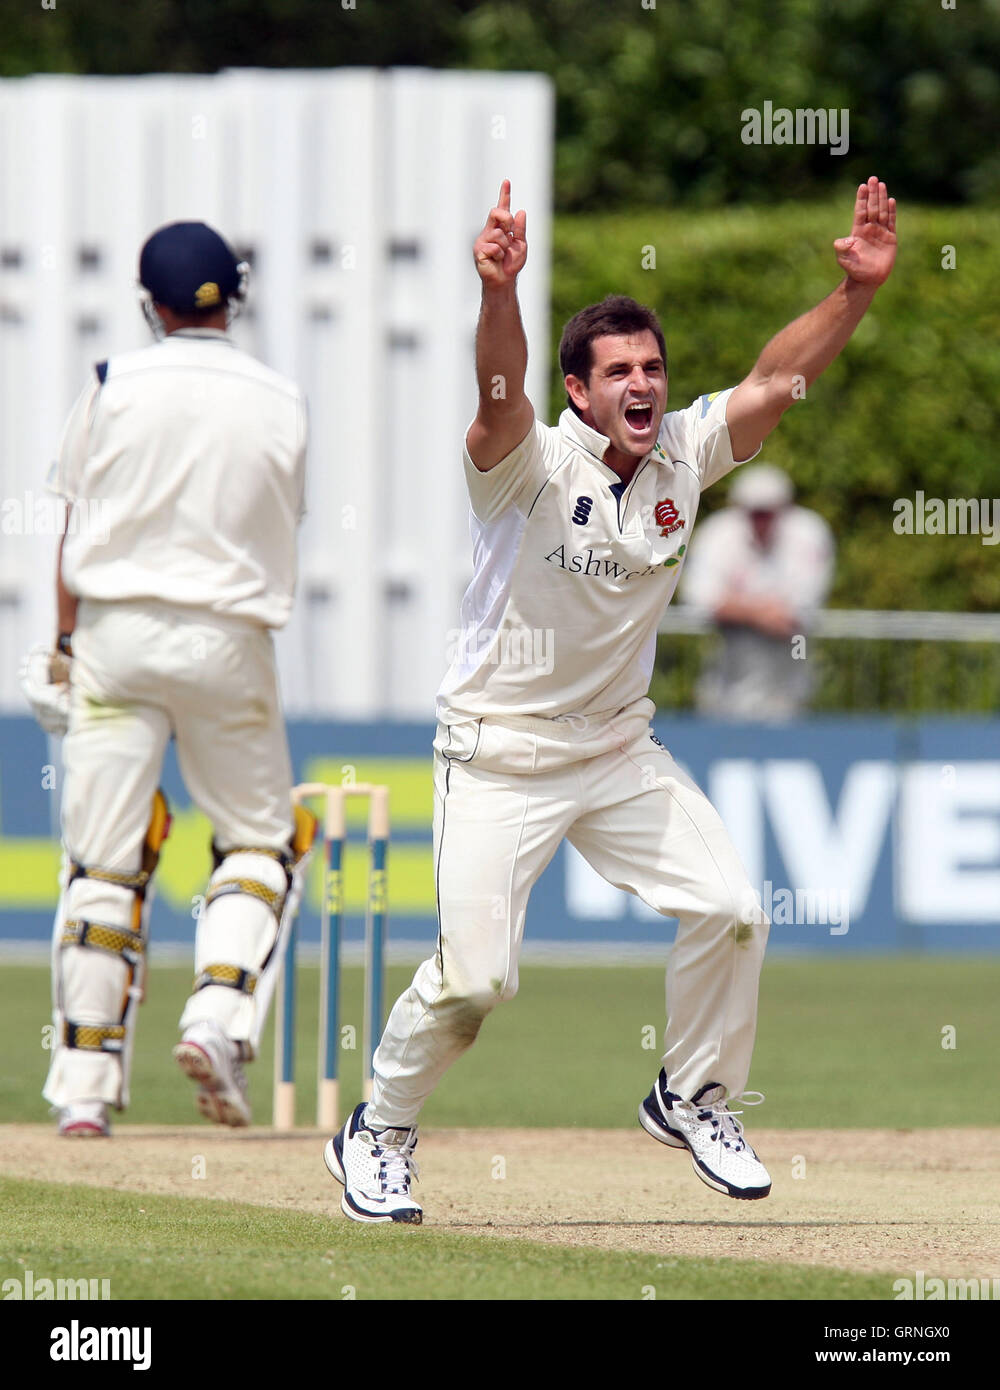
861, 834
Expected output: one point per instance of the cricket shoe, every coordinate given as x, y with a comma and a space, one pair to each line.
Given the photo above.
375, 1167
207, 1056
713, 1135
84, 1119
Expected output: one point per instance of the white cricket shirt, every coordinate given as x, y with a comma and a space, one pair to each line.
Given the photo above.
188, 461
573, 568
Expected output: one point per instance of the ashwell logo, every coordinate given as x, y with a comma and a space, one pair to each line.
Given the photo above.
31, 1288
76, 1343
596, 567
803, 126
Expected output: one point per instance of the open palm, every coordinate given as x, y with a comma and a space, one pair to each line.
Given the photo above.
868, 254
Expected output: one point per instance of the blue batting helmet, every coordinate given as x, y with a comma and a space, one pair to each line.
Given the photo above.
187, 266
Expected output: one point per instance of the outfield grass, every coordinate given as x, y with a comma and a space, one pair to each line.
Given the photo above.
183, 1248
852, 1043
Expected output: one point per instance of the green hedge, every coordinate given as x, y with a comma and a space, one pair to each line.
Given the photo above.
911, 404
649, 96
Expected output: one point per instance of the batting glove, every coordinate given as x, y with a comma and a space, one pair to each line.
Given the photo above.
44, 677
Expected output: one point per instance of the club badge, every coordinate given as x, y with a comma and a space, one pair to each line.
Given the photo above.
667, 517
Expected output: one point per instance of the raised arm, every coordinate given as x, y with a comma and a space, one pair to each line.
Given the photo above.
809, 344
505, 415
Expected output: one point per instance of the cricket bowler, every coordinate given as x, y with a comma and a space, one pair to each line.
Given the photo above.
581, 529
197, 453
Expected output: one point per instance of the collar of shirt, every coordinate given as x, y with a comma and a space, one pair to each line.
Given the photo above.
590, 442
219, 333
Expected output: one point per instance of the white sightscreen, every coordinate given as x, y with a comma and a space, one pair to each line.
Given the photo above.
358, 194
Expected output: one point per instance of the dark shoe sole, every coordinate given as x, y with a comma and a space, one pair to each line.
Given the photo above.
212, 1105
196, 1064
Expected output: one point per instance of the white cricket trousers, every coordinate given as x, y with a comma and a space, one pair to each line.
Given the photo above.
505, 798
144, 672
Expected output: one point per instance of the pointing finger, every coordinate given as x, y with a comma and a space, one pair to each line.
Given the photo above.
501, 217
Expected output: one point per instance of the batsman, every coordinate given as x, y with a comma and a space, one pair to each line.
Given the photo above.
197, 453
581, 530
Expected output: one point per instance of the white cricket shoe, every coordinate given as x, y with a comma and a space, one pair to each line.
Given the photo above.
207, 1056
375, 1167
706, 1126
84, 1119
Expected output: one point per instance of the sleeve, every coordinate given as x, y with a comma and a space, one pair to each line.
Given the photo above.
66, 473
515, 480
708, 437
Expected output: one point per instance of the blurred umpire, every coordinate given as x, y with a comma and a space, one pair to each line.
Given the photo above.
761, 571
196, 454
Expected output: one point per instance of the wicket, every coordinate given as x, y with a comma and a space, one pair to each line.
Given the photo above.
334, 827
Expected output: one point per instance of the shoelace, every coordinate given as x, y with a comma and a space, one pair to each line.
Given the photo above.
729, 1130
396, 1165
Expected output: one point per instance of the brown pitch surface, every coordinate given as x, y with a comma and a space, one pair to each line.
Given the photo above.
892, 1200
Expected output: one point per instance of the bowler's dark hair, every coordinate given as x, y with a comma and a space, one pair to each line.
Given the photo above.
615, 315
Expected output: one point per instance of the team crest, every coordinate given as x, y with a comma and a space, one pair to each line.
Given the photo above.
207, 294
668, 518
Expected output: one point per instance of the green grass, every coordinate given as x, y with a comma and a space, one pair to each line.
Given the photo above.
183, 1248
853, 1043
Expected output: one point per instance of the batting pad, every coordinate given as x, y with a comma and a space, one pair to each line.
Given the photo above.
237, 934
98, 972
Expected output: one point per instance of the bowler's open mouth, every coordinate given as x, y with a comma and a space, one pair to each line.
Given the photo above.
639, 416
